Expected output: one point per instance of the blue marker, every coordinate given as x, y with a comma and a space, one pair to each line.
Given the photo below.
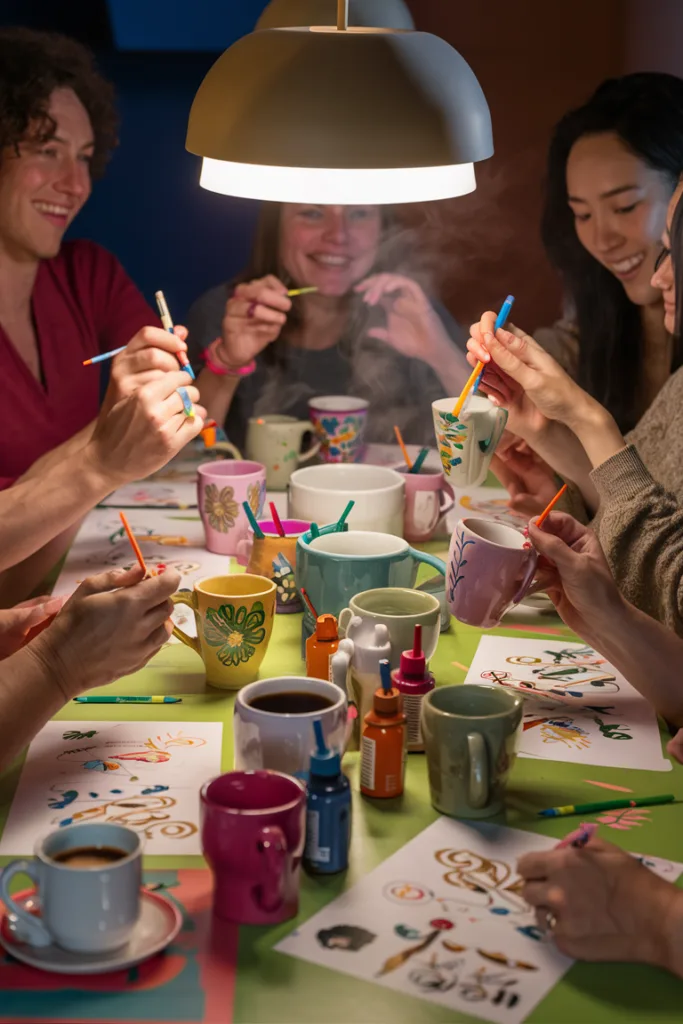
328, 811
501, 320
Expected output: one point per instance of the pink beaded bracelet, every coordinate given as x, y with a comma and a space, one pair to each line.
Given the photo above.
213, 364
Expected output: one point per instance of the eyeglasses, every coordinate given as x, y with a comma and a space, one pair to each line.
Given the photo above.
664, 255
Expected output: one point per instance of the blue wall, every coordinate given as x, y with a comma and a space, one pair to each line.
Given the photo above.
149, 209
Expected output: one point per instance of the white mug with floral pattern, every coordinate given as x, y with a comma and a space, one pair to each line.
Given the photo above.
222, 487
467, 443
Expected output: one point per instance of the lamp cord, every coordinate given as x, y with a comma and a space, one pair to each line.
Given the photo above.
342, 15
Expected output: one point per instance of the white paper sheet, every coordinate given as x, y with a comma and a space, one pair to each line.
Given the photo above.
442, 919
486, 503
145, 775
174, 486
578, 707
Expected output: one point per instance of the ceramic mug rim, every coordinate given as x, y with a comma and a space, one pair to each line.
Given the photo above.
426, 472
209, 803
516, 698
289, 716
404, 549
204, 469
269, 588
46, 858
359, 405
436, 607
494, 543
276, 419
446, 405
329, 488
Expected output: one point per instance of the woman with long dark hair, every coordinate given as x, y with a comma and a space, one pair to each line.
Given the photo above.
612, 166
369, 330
635, 484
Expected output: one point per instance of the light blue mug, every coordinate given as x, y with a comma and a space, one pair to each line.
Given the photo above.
334, 567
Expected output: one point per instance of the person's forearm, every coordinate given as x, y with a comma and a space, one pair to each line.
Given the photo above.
216, 393
562, 450
56, 455
597, 431
29, 697
451, 368
671, 956
647, 653
36, 510
21, 580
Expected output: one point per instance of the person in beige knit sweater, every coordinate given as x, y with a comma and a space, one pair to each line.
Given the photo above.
634, 485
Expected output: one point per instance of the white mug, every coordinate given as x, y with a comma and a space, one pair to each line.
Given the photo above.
285, 742
82, 909
467, 444
319, 494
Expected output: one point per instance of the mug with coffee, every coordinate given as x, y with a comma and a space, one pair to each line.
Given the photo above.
273, 722
234, 616
471, 735
467, 443
490, 569
275, 441
253, 828
88, 879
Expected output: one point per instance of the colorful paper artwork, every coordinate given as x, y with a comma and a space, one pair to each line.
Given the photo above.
191, 982
578, 708
490, 503
174, 486
145, 775
443, 920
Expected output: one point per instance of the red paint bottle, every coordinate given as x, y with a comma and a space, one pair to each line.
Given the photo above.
413, 681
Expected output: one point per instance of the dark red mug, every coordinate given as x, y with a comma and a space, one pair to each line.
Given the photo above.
253, 827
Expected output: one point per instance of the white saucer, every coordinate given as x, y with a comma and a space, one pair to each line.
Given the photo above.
159, 923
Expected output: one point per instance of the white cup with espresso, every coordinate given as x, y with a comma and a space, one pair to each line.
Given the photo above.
88, 879
273, 723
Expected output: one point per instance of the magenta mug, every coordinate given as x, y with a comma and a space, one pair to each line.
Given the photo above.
490, 568
253, 829
429, 497
221, 489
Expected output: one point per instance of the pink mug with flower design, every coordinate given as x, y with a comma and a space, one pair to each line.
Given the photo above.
490, 568
221, 489
253, 828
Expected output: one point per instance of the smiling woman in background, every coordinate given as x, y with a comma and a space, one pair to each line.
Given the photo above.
369, 331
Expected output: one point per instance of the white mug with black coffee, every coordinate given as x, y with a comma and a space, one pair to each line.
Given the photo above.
273, 723
88, 879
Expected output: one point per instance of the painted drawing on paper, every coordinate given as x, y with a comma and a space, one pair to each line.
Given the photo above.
144, 775
577, 706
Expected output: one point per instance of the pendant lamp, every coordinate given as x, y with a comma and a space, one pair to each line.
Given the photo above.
339, 115
370, 13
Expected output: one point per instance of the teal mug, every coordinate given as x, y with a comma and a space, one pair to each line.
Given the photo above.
334, 567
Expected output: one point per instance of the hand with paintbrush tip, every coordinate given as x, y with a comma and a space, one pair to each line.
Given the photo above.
111, 626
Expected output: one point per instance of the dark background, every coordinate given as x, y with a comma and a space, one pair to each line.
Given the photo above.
534, 60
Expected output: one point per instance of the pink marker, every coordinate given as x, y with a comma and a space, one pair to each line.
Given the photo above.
579, 837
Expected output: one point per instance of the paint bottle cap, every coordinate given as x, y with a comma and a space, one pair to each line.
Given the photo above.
325, 763
414, 663
326, 628
387, 700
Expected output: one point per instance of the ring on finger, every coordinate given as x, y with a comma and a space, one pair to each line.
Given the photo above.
550, 921
188, 407
251, 309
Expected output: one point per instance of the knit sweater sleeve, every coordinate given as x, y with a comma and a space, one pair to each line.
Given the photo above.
640, 527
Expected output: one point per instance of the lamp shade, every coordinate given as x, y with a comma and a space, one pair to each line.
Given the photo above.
371, 13
319, 115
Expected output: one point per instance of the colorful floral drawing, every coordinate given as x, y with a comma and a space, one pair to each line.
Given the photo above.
256, 496
341, 439
454, 569
611, 730
451, 436
560, 730
630, 817
220, 507
235, 631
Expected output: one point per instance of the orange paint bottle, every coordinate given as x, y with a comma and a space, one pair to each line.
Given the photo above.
383, 743
321, 646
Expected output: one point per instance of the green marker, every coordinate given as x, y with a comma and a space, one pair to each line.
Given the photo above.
128, 700
605, 805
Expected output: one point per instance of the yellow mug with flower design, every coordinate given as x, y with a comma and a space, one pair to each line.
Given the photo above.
222, 487
234, 616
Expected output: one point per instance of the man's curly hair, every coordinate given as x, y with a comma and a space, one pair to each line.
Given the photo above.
34, 64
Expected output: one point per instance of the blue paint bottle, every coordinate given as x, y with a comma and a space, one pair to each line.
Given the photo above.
328, 811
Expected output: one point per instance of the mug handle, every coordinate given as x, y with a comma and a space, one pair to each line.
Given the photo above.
272, 846
448, 496
189, 598
33, 930
346, 615
478, 788
227, 449
307, 428
528, 577
422, 556
244, 547
496, 433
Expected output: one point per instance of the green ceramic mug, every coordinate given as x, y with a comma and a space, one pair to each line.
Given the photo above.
471, 736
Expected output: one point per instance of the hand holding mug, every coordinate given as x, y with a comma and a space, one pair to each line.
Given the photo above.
255, 314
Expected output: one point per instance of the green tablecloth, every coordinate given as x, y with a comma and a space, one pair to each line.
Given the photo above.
273, 988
